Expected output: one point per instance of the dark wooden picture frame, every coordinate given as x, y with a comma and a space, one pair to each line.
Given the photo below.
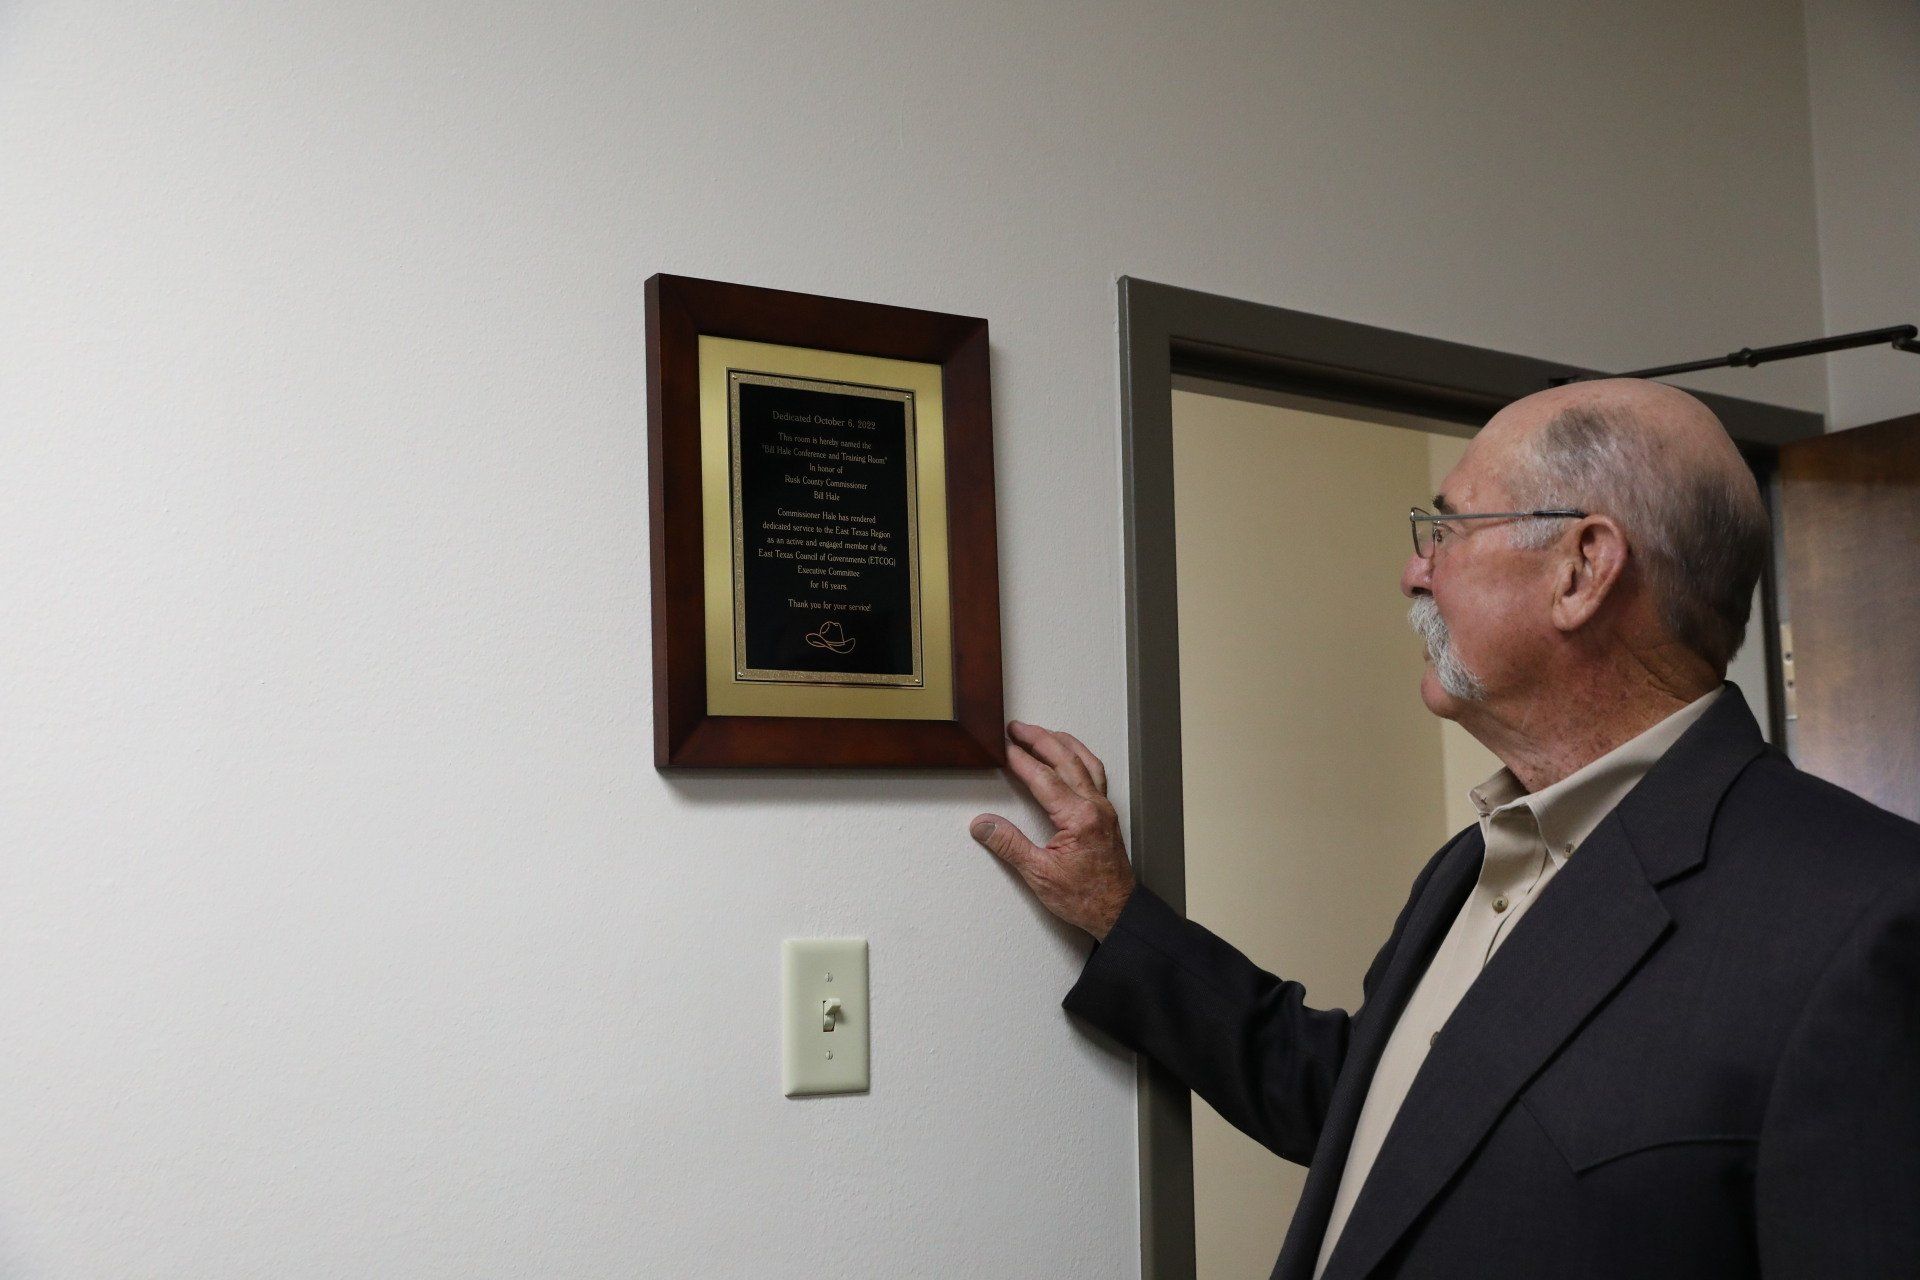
680, 311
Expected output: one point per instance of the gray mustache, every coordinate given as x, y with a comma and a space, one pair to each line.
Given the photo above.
1424, 617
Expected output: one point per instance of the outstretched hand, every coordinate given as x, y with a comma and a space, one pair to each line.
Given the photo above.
1081, 875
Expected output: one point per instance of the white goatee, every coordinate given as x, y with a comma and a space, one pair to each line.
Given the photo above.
1455, 678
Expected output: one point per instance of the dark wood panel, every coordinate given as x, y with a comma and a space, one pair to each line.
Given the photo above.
1850, 506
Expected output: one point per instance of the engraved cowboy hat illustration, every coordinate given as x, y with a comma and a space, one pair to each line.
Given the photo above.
831, 636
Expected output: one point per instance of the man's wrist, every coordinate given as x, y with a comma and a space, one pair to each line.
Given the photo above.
1112, 917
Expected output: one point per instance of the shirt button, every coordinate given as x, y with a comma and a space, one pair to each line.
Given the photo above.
1499, 904
1432, 1039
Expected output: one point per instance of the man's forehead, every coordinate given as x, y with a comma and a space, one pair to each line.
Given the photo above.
1470, 481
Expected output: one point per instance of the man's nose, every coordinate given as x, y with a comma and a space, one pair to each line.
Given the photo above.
1417, 577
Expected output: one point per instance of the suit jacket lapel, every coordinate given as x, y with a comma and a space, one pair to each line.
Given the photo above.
1432, 915
1595, 922
1589, 929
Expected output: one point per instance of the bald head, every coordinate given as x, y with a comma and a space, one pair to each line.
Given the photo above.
1667, 417
1668, 425
1659, 462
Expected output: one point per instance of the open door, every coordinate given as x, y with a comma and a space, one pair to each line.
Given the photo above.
1850, 518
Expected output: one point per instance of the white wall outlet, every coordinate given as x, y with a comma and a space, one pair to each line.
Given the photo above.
824, 1021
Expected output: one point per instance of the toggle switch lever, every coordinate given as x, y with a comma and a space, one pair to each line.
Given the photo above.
829, 1010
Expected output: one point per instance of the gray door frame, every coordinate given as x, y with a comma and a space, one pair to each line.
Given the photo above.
1167, 332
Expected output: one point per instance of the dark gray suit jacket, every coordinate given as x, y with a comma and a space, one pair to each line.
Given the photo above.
1698, 1055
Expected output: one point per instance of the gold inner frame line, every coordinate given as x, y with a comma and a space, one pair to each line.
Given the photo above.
728, 695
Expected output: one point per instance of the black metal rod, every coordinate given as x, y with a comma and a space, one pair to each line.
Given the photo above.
1902, 337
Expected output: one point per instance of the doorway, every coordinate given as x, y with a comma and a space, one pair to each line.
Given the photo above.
1347, 374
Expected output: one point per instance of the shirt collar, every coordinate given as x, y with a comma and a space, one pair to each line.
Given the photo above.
1569, 810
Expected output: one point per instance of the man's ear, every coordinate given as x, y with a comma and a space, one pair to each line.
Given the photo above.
1589, 569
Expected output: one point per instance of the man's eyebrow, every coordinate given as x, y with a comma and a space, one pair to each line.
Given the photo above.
1440, 504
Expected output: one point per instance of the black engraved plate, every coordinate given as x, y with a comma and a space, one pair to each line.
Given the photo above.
825, 545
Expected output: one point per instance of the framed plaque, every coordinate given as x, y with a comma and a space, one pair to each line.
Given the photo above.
825, 582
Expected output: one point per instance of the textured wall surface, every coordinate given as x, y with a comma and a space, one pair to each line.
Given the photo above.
350, 931
1863, 59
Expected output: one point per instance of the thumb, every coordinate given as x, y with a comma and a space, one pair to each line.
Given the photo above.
1006, 841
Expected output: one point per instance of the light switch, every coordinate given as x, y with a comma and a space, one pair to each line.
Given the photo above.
824, 1032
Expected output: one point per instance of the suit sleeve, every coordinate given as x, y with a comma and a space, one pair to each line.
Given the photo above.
1233, 1033
1837, 1186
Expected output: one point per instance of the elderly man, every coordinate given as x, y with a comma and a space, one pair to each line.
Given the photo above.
1658, 1013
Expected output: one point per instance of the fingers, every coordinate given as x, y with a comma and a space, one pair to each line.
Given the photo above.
1087, 758
1057, 754
1006, 841
1053, 794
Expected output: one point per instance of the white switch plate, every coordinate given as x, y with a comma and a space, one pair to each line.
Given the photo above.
816, 1060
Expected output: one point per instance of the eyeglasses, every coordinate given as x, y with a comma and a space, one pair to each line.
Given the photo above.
1429, 530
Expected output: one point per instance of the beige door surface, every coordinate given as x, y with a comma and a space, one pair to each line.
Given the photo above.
1316, 784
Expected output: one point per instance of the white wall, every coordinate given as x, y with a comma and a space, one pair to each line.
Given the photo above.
1864, 77
350, 929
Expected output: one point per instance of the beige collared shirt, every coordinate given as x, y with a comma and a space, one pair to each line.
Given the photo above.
1528, 839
